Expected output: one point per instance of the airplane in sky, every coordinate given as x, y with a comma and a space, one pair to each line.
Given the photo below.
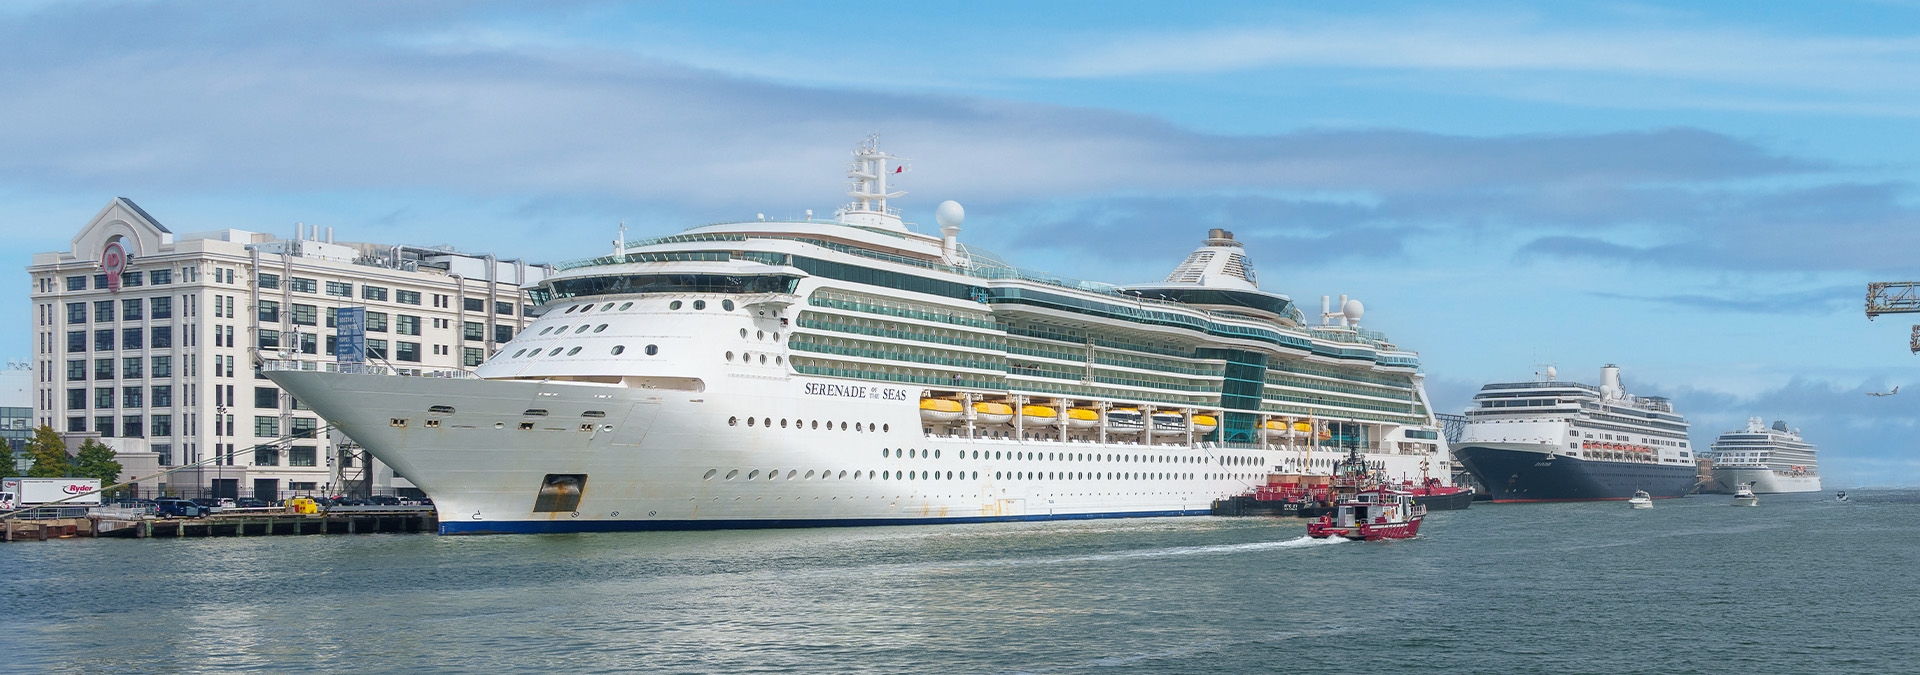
1896, 390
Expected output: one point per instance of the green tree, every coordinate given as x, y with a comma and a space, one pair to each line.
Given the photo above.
96, 461
6, 458
49, 454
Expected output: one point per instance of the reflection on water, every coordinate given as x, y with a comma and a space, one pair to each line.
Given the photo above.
1797, 585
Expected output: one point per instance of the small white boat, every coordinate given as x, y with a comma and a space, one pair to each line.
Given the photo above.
1842, 496
1743, 496
1641, 500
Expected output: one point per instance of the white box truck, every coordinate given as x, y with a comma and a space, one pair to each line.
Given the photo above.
17, 493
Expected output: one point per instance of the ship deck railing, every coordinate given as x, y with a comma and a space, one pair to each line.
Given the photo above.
291, 365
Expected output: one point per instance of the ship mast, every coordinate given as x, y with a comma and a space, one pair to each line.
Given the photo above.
869, 172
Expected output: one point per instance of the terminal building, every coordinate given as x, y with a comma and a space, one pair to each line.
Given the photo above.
149, 341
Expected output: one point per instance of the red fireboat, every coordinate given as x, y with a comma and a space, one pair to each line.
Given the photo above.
1369, 515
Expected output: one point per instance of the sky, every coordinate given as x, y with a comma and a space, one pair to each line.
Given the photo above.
1699, 194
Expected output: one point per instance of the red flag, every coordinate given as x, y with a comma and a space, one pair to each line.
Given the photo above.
899, 169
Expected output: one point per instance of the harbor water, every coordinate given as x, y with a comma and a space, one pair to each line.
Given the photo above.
1802, 584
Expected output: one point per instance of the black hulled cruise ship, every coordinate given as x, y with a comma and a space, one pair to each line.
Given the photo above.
1564, 441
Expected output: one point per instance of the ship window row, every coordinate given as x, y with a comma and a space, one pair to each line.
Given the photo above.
759, 335
871, 350
855, 302
895, 331
588, 307
1312, 386
651, 350
1304, 368
627, 284
810, 425
562, 329
748, 358
826, 368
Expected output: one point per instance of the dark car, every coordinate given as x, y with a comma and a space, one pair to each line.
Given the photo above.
177, 508
250, 503
384, 500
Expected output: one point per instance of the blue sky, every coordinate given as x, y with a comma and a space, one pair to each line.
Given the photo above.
1698, 194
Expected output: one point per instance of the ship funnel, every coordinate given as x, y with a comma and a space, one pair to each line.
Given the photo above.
1610, 379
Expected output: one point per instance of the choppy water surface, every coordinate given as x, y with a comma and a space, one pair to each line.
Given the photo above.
1801, 584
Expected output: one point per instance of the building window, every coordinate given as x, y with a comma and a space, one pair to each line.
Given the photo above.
266, 280
373, 293
103, 369
132, 309
162, 337
377, 321
77, 284
163, 366
266, 426
163, 396
266, 457
130, 367
76, 424
162, 425
130, 279
266, 397
103, 311
473, 331
269, 311
302, 455
269, 339
305, 315
104, 425
475, 304
100, 284
77, 399
76, 370
164, 450
131, 426
160, 277
76, 312
162, 307
103, 398
502, 333
131, 397
309, 344
406, 351
503, 308
406, 324
407, 297
103, 340
304, 427
131, 338
376, 349
300, 285
472, 356
340, 288
76, 341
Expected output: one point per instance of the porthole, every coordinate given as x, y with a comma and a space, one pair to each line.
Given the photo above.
726, 305
766, 421
783, 422
936, 454
753, 474
856, 475
582, 329
884, 452
731, 474
976, 475
570, 309
517, 354
776, 337
710, 474
996, 475
699, 304
729, 357
843, 474
733, 421
556, 351
561, 330
759, 335
743, 333
652, 350
586, 308
816, 424
883, 428
573, 351
594, 413
546, 330
809, 474
886, 475
751, 420
763, 359
618, 349
793, 472
776, 360
843, 426
599, 328
673, 305
606, 307
625, 305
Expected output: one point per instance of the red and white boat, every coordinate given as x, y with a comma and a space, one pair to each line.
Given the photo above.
1371, 514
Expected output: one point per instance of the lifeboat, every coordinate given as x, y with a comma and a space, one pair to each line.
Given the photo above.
1169, 424
1205, 424
1123, 420
1039, 415
939, 409
1277, 429
1083, 418
992, 413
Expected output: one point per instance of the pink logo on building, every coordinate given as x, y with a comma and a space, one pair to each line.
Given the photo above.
113, 259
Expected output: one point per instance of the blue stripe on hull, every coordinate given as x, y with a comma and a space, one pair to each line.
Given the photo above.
569, 526
1515, 475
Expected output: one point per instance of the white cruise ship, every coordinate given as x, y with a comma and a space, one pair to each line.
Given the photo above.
1549, 440
1772, 459
854, 371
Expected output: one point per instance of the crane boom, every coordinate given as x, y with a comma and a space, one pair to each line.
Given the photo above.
1892, 297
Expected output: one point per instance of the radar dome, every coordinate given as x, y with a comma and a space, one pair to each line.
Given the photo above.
949, 214
1552, 372
1353, 310
1608, 391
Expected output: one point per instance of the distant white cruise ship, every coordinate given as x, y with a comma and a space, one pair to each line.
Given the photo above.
853, 371
1772, 459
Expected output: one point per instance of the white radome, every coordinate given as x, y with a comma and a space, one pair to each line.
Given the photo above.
949, 214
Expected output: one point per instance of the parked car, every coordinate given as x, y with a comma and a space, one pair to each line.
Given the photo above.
384, 500
250, 503
177, 508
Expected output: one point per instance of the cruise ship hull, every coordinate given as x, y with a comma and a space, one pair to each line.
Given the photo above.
1516, 473
651, 459
1764, 480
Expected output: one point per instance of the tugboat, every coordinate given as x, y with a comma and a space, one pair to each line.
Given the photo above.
1432, 494
1641, 500
1744, 496
1370, 515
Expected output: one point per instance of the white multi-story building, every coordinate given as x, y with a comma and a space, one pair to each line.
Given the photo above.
149, 340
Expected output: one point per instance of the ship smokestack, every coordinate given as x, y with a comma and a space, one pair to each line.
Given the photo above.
1610, 380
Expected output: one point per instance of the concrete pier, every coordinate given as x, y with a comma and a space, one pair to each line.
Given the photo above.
227, 525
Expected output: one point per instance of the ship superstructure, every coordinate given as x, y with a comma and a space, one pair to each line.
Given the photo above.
1771, 459
854, 371
1547, 440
